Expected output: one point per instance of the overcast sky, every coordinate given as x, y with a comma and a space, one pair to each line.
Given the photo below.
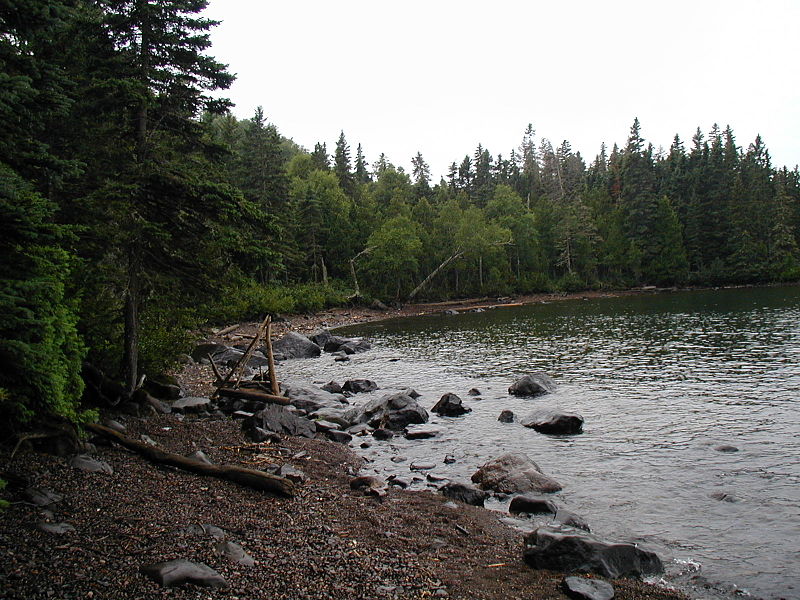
440, 76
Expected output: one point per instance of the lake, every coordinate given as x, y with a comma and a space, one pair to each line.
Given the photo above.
661, 381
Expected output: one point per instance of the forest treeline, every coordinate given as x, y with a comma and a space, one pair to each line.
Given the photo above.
135, 207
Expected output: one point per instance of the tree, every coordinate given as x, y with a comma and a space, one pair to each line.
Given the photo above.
393, 259
341, 166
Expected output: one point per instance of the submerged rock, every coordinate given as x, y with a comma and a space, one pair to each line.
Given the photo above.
393, 411
535, 384
554, 422
578, 552
506, 416
450, 405
514, 474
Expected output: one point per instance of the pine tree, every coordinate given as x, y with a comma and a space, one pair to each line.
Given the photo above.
341, 166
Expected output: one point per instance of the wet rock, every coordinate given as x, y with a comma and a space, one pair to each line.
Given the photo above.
90, 465
724, 497
332, 387
382, 434
474, 392
528, 503
334, 415
355, 346
359, 386
422, 433
55, 528
41, 496
449, 459
514, 474
180, 572
278, 419
581, 588
506, 416
323, 425
554, 422
468, 494
360, 429
450, 405
310, 398
235, 553
579, 552
340, 437
200, 456
570, 519
394, 411
532, 385
726, 448
295, 345
422, 466
411, 392
340, 357
400, 482
191, 404
321, 338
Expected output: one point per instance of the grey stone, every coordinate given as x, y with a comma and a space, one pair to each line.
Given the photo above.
393, 411
528, 503
278, 419
359, 386
570, 519
506, 416
422, 466
332, 387
235, 553
465, 493
148, 440
726, 448
450, 405
41, 496
200, 456
201, 351
534, 384
422, 433
554, 422
382, 434
474, 392
340, 437
310, 398
580, 588
295, 345
90, 465
191, 404
115, 425
292, 474
579, 552
180, 572
55, 528
514, 474
323, 425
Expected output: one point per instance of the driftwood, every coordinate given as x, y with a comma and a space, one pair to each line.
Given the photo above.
228, 329
253, 395
247, 477
273, 374
242, 362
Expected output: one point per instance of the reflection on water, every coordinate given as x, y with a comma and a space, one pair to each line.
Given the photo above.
661, 381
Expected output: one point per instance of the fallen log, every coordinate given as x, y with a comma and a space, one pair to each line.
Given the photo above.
249, 394
247, 477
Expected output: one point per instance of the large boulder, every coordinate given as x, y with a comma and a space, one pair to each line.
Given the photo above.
535, 384
310, 399
572, 551
468, 494
554, 422
531, 504
278, 419
359, 386
450, 405
514, 474
393, 411
295, 345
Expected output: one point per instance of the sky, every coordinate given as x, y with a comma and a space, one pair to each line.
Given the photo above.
440, 77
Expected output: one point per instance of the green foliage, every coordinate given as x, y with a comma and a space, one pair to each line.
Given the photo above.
3, 502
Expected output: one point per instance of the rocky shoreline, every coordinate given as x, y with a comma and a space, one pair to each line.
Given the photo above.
113, 525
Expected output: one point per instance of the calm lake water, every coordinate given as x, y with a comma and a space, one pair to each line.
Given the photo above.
661, 381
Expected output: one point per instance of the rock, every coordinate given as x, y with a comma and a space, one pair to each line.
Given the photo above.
334, 415
200, 456
378, 305
450, 405
205, 530
528, 503
115, 425
398, 459
295, 345
234, 553
449, 459
334, 344
340, 357
400, 482
310, 398
554, 422
340, 437
41, 496
55, 528
474, 392
292, 474
411, 392
90, 465
506, 416
581, 588
422, 433
243, 414
394, 411
579, 552
514, 474
191, 404
332, 387
381, 434
355, 346
726, 448
570, 519
278, 419
724, 497
422, 465
323, 425
158, 407
257, 435
321, 337
450, 312
465, 493
148, 440
164, 387
201, 351
534, 384
365, 481
359, 386
180, 571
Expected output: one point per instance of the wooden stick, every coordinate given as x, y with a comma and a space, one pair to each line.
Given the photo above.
214, 367
273, 375
251, 478
246, 356
253, 395
250, 349
228, 329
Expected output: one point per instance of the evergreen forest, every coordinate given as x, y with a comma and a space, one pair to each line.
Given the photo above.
136, 208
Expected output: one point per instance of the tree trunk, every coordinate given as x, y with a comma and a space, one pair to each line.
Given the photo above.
324, 270
435, 272
130, 357
480, 271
